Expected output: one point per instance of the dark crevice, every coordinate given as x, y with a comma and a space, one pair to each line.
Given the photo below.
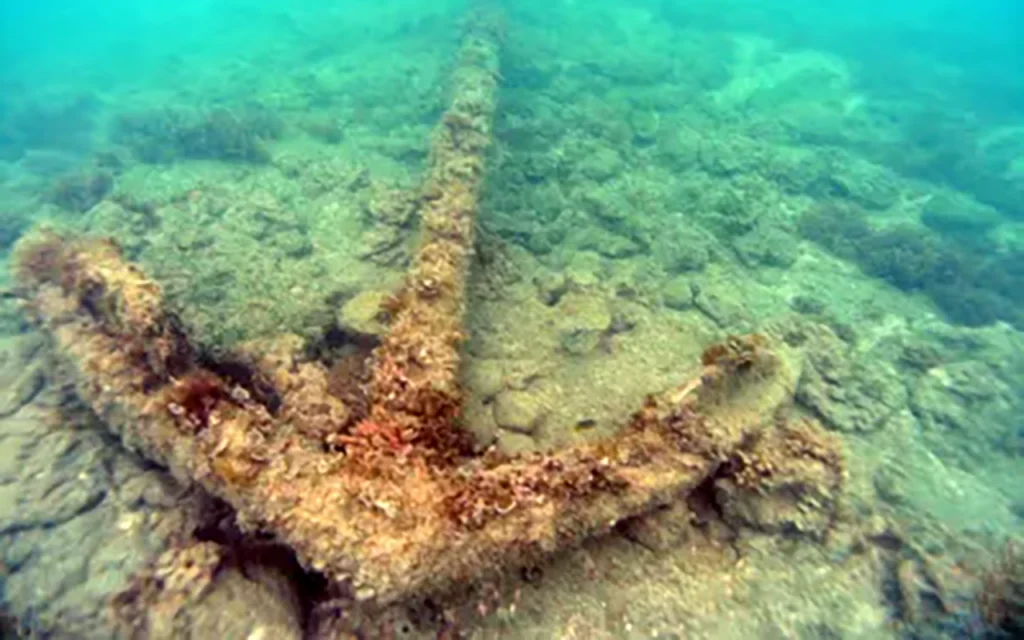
240, 370
245, 552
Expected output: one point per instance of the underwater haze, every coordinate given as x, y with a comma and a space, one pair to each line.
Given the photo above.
842, 180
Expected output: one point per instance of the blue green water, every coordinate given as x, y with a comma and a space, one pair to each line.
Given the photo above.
721, 165
922, 89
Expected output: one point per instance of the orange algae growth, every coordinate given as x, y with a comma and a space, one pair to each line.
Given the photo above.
115, 294
415, 391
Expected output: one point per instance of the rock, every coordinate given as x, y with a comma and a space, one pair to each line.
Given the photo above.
363, 315
514, 443
12, 226
965, 410
954, 213
62, 544
723, 311
485, 378
131, 226
630, 281
254, 602
383, 245
587, 312
585, 269
56, 493
195, 590
888, 486
81, 189
479, 422
538, 167
387, 204
766, 246
518, 411
81, 517
12, 321
683, 249
543, 240
663, 530
645, 125
599, 164
579, 343
626, 317
808, 305
919, 481
21, 376
44, 581
324, 127
607, 204
293, 243
787, 482
11, 448
520, 374
679, 147
584, 319
148, 489
730, 155
849, 395
678, 294
551, 287
869, 185
21, 390
608, 243
956, 397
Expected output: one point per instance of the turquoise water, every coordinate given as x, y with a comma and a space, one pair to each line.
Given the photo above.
664, 173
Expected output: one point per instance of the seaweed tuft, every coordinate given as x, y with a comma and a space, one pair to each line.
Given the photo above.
1001, 598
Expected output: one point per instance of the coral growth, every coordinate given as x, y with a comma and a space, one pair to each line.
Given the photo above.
968, 284
92, 273
945, 150
786, 480
848, 394
11, 227
908, 257
184, 572
324, 127
731, 362
219, 134
202, 589
414, 386
81, 191
736, 355
487, 494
